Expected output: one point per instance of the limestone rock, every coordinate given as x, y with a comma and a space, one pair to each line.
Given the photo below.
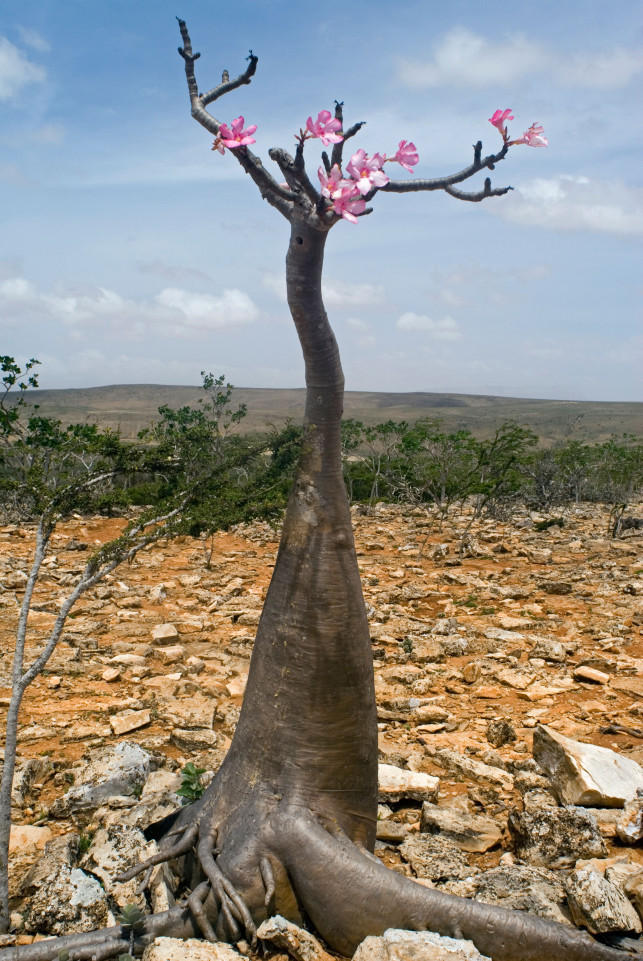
598, 905
192, 949
584, 773
522, 887
474, 770
300, 945
394, 784
128, 721
629, 827
60, 898
471, 832
556, 837
164, 633
396, 945
500, 731
112, 851
120, 769
436, 858
28, 838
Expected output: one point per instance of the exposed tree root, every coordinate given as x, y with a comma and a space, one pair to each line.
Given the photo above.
345, 892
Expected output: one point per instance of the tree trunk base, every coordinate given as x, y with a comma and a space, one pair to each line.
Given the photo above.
275, 856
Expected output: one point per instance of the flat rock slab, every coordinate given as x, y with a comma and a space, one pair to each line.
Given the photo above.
394, 784
556, 837
396, 945
598, 905
471, 832
436, 858
299, 944
120, 769
193, 949
586, 774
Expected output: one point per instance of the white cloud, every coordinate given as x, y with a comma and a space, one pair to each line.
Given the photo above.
463, 58
444, 329
335, 294
232, 308
466, 59
16, 71
607, 70
575, 203
172, 309
357, 324
33, 39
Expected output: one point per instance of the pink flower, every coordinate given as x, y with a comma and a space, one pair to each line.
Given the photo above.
235, 137
500, 118
331, 182
407, 155
367, 171
347, 203
534, 136
325, 127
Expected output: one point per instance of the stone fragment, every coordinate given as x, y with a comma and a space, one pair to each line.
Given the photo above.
549, 649
471, 672
192, 949
556, 837
471, 832
111, 674
474, 770
522, 887
394, 784
120, 769
500, 731
236, 686
585, 773
113, 850
396, 945
194, 739
27, 838
436, 858
300, 945
60, 898
590, 674
171, 654
391, 831
598, 905
629, 827
129, 659
164, 633
128, 721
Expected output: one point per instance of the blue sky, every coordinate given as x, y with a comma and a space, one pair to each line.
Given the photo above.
131, 253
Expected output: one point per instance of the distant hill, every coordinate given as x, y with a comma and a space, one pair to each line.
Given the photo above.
130, 407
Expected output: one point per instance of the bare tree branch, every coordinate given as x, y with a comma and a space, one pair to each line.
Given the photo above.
294, 172
269, 189
479, 195
441, 183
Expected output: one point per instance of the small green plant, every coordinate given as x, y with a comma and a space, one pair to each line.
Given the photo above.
192, 787
137, 790
471, 601
130, 917
85, 842
407, 646
487, 610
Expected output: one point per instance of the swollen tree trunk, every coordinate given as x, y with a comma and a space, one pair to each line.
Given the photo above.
312, 656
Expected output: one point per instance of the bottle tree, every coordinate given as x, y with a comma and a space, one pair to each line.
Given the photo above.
287, 826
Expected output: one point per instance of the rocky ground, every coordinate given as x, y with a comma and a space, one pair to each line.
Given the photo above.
493, 657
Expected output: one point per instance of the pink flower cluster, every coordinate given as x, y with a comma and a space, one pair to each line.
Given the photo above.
363, 173
234, 136
533, 137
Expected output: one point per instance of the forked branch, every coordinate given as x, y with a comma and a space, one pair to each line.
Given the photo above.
444, 183
268, 187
